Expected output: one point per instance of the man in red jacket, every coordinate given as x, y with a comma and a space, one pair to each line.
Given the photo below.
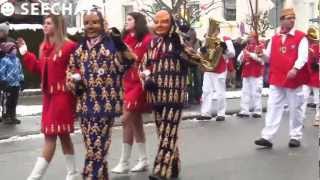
287, 53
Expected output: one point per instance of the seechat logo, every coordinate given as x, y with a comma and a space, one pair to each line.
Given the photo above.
7, 8
42, 8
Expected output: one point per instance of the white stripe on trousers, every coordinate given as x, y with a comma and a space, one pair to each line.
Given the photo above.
278, 96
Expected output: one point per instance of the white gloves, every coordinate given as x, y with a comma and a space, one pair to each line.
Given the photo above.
76, 77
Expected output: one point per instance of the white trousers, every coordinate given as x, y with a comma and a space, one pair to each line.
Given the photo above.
278, 96
251, 95
214, 87
306, 91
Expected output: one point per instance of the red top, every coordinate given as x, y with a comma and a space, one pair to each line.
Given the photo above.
282, 60
314, 55
134, 96
222, 65
58, 111
251, 67
139, 48
51, 66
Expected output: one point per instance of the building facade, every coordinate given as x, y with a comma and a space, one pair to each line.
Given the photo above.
232, 13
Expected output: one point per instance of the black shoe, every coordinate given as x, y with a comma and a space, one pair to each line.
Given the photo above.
1, 119
241, 115
202, 118
293, 143
175, 169
263, 142
16, 121
155, 177
255, 115
220, 118
12, 121
311, 105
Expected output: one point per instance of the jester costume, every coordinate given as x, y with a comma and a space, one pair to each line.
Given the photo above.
101, 69
167, 61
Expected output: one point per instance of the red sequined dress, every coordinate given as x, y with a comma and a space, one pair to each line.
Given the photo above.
134, 95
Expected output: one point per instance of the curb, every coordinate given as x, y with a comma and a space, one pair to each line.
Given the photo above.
189, 116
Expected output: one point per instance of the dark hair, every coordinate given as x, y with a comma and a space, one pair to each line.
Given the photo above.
141, 26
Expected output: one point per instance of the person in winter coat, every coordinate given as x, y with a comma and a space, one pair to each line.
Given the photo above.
12, 74
4, 37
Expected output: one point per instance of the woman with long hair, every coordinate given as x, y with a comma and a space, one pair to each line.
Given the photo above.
95, 75
137, 36
58, 103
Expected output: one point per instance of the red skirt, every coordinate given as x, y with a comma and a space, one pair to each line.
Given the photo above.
134, 95
58, 114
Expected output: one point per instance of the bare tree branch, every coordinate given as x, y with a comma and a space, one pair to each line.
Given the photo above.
190, 16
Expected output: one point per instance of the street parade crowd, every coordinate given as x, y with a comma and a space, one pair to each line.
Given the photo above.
109, 73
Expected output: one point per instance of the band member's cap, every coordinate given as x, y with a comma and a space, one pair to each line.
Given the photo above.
287, 12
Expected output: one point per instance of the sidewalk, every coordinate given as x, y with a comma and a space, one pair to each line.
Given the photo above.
31, 124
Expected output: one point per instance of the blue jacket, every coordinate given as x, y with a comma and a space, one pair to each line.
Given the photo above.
11, 70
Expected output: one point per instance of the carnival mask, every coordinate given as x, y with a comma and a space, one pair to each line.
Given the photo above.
162, 23
92, 25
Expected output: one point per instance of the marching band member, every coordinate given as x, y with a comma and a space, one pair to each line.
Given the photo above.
288, 54
214, 81
313, 66
252, 82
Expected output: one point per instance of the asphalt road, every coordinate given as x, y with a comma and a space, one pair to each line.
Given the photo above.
209, 151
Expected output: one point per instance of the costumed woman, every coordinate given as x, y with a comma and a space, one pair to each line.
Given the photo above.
58, 113
136, 35
95, 76
164, 70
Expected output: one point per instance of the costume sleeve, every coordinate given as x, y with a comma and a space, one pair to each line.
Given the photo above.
72, 69
32, 63
146, 65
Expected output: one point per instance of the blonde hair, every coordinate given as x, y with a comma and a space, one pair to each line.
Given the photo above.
60, 32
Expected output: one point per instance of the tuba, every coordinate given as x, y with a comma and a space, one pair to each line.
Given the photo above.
213, 49
209, 59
